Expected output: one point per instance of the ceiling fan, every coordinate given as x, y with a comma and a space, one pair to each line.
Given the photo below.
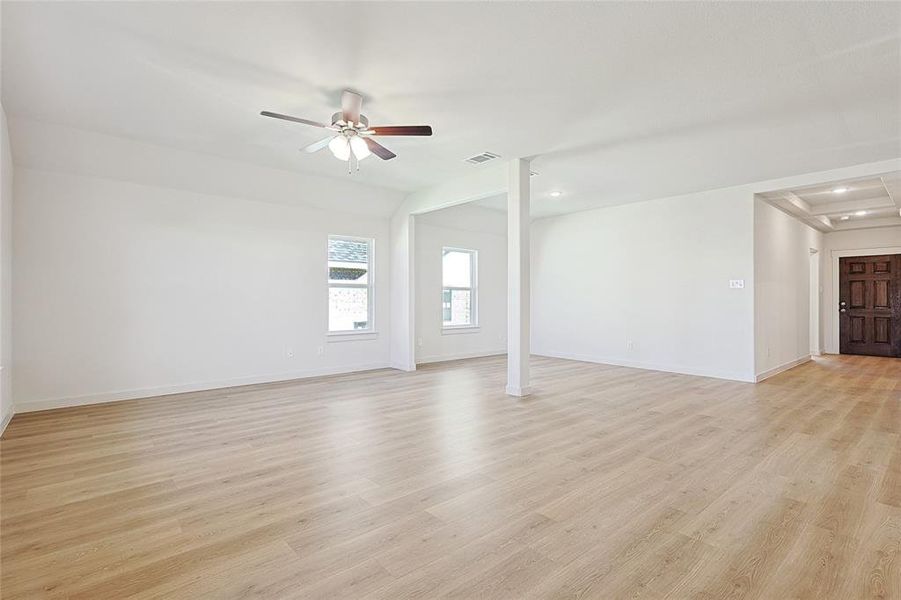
352, 135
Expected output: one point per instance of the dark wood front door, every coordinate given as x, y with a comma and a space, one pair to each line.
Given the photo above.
870, 305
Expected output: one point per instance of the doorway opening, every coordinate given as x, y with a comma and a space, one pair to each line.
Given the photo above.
869, 307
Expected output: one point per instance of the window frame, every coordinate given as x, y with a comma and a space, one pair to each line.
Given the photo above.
473, 290
369, 287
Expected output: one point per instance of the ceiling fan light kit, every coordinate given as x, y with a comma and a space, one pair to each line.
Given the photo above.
339, 147
352, 137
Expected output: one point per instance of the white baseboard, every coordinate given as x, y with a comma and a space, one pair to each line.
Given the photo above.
647, 366
5, 421
117, 396
518, 391
458, 356
783, 367
403, 367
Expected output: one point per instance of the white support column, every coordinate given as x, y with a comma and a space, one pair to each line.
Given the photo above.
518, 290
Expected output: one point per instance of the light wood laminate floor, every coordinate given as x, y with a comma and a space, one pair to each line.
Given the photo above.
606, 483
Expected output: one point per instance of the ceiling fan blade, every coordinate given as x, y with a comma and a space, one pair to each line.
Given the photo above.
317, 146
266, 113
351, 103
379, 150
402, 130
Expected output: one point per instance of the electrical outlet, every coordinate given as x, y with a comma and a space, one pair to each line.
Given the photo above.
419, 342
630, 345
736, 284
289, 352
320, 350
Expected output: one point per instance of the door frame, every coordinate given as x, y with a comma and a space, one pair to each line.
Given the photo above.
815, 335
833, 310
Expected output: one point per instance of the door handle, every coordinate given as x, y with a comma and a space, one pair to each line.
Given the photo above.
843, 310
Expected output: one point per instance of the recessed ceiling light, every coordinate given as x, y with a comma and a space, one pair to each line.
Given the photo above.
840, 190
845, 218
556, 194
860, 213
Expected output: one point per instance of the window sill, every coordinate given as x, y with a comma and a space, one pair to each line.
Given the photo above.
351, 336
460, 329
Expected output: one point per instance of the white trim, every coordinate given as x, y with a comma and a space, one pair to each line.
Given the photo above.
4, 421
359, 335
150, 393
403, 367
410, 365
783, 367
833, 310
7, 419
436, 358
646, 366
814, 319
518, 391
460, 329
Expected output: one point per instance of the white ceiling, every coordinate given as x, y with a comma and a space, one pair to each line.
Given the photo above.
844, 204
618, 102
836, 195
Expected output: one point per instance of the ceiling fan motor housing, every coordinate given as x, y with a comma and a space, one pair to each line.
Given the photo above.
338, 118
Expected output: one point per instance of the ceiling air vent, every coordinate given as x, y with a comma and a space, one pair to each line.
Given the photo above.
482, 158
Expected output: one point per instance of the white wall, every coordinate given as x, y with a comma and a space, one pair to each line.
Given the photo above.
127, 290
6, 207
852, 240
473, 228
481, 183
654, 274
51, 147
141, 269
781, 288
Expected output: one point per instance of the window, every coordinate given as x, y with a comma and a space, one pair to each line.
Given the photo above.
459, 288
349, 284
